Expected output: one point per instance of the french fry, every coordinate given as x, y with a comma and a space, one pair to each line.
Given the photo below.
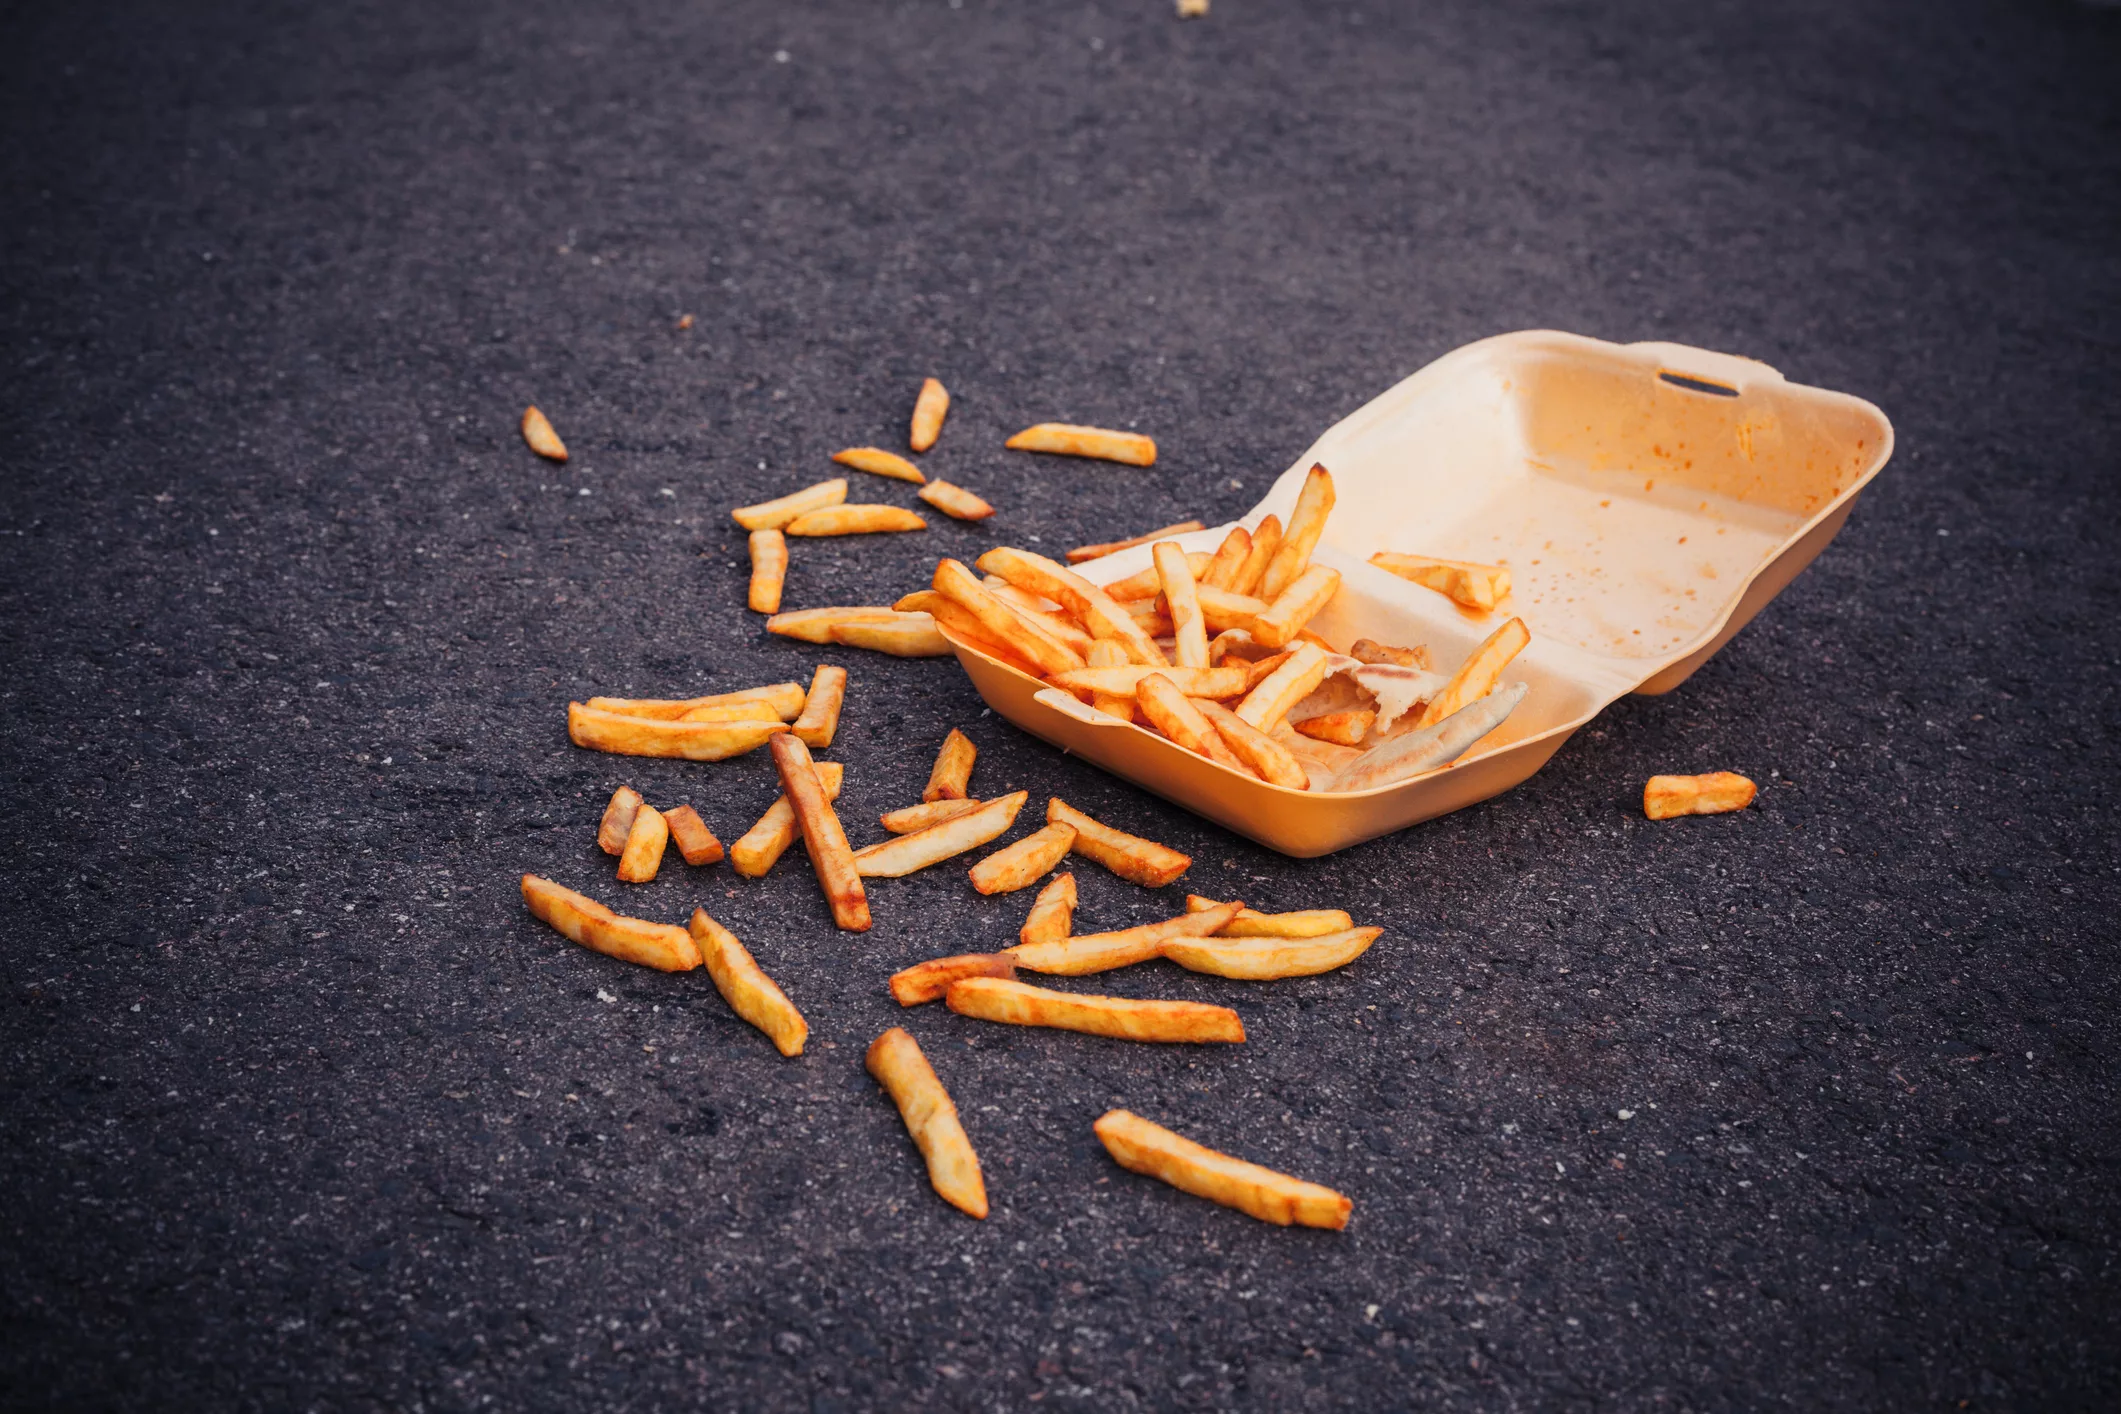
1110, 653
775, 515
1260, 669
537, 431
927, 981
896, 1061
784, 698
1432, 747
1001, 621
1369, 650
1145, 862
817, 625
1268, 702
908, 819
1341, 728
1085, 953
928, 412
1112, 547
1123, 1018
954, 501
1304, 635
1175, 577
1666, 797
582, 919
1264, 959
750, 993
646, 736
1052, 913
1149, 617
1023, 863
878, 462
902, 855
1168, 710
1474, 586
1099, 612
955, 619
769, 570
1222, 609
1263, 756
1478, 673
830, 856
1304, 923
952, 772
692, 837
1235, 645
1067, 440
1147, 584
1306, 523
821, 709
1266, 540
618, 820
905, 636
1229, 559
1032, 607
643, 855
761, 846
755, 709
1126, 681
1138, 1145
854, 520
1296, 606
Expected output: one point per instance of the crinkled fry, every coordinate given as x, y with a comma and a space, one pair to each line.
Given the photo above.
1112, 547
854, 520
1146, 1148
903, 854
1666, 797
1024, 863
1306, 523
618, 820
1263, 756
1145, 862
1085, 953
1303, 923
954, 501
896, 1061
1268, 702
1068, 440
643, 854
1478, 673
646, 736
537, 431
878, 462
761, 846
927, 981
1296, 606
1123, 1018
1052, 913
907, 819
785, 698
692, 837
1168, 710
928, 412
1263, 959
769, 570
821, 709
775, 514
750, 993
1099, 612
582, 919
830, 856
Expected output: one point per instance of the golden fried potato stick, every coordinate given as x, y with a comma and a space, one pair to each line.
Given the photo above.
1260, 669
1099, 612
830, 856
769, 570
1223, 610
905, 636
1136, 1144
929, 980
821, 709
1263, 756
954, 501
903, 854
1023, 863
762, 845
952, 772
1112, 547
643, 855
1123, 1018
1433, 747
854, 520
1296, 606
1036, 609
1126, 681
1478, 673
757, 709
1145, 862
1110, 653
1265, 959
1234, 646
1266, 541
1369, 650
690, 833
878, 462
1192, 9
1474, 586
907, 819
1168, 710
750, 993
1149, 617
1304, 923
1052, 912
1306, 523
957, 620
583, 919
537, 431
896, 1061
775, 515
784, 698
1268, 702
1001, 621
1067, 440
646, 736
1666, 797
1085, 953
1175, 577
1341, 728
817, 625
1228, 560
618, 820
928, 411
1147, 584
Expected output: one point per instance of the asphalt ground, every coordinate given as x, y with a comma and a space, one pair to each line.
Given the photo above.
1812, 1106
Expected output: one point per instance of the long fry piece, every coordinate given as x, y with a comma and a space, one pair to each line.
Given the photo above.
1265, 705
1147, 584
1182, 602
878, 462
1173, 713
926, 981
1123, 1018
1137, 1144
785, 699
896, 1061
854, 520
1100, 613
905, 636
818, 625
909, 818
1023, 863
750, 993
761, 846
904, 854
1477, 674
1267, 758
1066, 439
954, 501
1110, 653
1302, 923
1222, 571
1472, 586
1145, 862
1228, 681
1296, 606
1266, 540
581, 918
775, 514
1265, 959
1306, 523
1112, 547
929, 410
644, 736
1085, 953
830, 856
1002, 620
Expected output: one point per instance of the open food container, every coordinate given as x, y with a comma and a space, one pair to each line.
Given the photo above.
1648, 500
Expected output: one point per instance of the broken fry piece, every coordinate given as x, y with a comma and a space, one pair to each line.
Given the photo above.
898, 857
1099, 612
1266, 540
1341, 728
896, 1061
1369, 650
659, 945
830, 855
618, 820
692, 837
1478, 673
1112, 547
1265, 757
854, 520
647, 736
1136, 1144
1175, 577
818, 625
784, 699
643, 855
1168, 710
1296, 606
775, 515
1066, 439
769, 570
1305, 923
1145, 862
1267, 703
1264, 959
821, 709
1001, 620
1052, 913
952, 772
1306, 523
1023, 863
537, 431
762, 845
1123, 1018
954, 501
1085, 953
910, 818
750, 993
1666, 797
928, 412
929, 980
878, 462
1474, 586
904, 636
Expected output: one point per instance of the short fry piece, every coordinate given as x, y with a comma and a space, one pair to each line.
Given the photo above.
1665, 797
1304, 923
1474, 586
1341, 728
692, 837
1145, 862
1066, 439
583, 919
1192, 9
927, 981
821, 709
618, 820
1111, 653
1147, 584
1183, 604
1052, 913
1229, 559
761, 846
854, 520
769, 570
1112, 547
1002, 621
1265, 757
1266, 539
830, 856
952, 771
1126, 681
954, 501
1266, 704
1085, 953
896, 1061
928, 412
1369, 650
1306, 523
750, 993
895, 858
775, 515
1173, 713
1123, 1018
1296, 606
785, 699
1023, 863
878, 462
537, 431
1136, 1144
1265, 959
817, 625
645, 736
1100, 613
904, 636
908, 819
643, 855
1477, 674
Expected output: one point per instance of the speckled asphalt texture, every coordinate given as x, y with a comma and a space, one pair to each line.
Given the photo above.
1812, 1107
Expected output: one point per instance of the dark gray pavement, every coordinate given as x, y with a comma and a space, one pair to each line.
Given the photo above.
1812, 1107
